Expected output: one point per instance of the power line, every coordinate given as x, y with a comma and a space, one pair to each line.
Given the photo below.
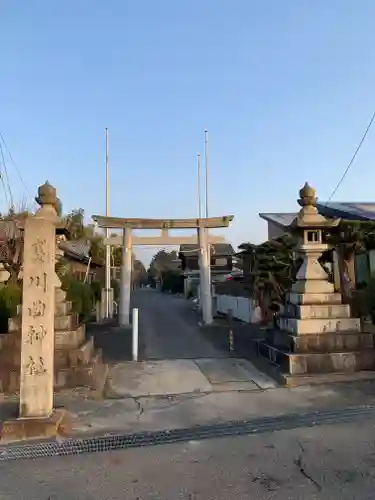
353, 157
9, 201
15, 165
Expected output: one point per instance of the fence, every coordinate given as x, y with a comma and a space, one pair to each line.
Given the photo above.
241, 307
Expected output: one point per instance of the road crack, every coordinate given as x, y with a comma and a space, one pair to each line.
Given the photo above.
140, 408
299, 462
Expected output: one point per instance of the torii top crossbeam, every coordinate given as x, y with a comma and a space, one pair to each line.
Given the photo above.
120, 223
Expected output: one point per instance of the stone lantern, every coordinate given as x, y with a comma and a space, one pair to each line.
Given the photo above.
316, 335
312, 228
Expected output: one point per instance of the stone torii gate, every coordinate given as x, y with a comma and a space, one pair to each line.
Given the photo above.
164, 225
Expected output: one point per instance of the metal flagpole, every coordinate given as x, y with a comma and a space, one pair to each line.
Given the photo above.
206, 166
199, 186
107, 247
206, 199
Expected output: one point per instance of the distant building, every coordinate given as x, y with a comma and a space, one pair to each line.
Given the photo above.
222, 255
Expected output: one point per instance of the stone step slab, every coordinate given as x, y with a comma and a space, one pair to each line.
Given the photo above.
318, 325
66, 321
332, 342
317, 363
62, 322
317, 311
67, 339
84, 376
62, 308
83, 355
314, 298
330, 362
321, 342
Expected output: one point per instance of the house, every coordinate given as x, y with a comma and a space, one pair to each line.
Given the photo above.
75, 256
364, 263
221, 264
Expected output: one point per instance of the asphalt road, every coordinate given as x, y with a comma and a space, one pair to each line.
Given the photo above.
168, 328
326, 463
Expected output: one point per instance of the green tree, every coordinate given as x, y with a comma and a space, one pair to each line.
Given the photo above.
161, 262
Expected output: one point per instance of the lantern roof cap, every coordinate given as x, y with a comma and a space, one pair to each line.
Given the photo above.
308, 216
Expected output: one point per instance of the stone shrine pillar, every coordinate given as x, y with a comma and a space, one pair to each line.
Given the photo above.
38, 308
36, 415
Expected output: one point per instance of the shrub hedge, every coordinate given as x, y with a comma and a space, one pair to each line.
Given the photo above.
10, 298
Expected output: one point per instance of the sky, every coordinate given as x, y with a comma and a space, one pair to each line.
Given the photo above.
285, 88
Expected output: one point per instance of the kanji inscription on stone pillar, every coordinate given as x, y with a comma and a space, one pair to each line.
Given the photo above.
38, 304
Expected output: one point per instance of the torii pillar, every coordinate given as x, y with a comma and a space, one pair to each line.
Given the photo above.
125, 278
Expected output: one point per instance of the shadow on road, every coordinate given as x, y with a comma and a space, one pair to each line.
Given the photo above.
115, 341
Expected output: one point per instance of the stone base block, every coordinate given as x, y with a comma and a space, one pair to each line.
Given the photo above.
19, 429
312, 286
321, 342
66, 321
60, 295
314, 298
315, 363
92, 375
332, 342
67, 339
62, 308
82, 355
325, 378
318, 325
317, 311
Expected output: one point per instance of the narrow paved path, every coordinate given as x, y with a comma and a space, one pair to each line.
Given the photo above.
175, 356
168, 328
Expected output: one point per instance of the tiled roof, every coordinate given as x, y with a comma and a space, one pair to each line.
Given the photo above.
77, 247
218, 249
357, 210
283, 219
345, 210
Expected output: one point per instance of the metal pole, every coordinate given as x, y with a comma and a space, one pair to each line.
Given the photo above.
199, 185
206, 166
107, 247
208, 237
135, 335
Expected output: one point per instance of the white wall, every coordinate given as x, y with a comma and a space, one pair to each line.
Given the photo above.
242, 307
